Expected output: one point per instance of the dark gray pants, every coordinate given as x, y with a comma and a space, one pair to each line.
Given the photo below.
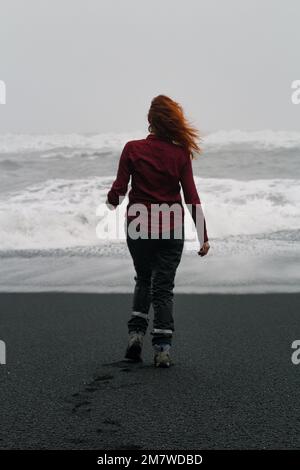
155, 262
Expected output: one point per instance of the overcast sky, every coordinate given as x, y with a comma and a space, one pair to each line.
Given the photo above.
94, 65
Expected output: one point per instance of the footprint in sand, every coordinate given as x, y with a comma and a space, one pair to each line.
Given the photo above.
81, 401
82, 406
110, 426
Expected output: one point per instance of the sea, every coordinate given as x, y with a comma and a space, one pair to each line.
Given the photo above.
51, 187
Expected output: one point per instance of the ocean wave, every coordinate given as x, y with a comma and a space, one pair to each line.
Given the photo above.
61, 213
249, 246
17, 143
71, 144
267, 139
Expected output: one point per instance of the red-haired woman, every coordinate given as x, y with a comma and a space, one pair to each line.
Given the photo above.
159, 166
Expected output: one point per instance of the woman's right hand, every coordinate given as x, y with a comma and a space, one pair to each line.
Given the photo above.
204, 249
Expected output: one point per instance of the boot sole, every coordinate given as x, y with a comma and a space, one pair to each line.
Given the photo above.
134, 353
164, 365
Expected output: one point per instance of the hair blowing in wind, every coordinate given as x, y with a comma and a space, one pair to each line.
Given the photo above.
166, 119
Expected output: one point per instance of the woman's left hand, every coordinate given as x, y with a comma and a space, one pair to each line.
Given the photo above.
204, 249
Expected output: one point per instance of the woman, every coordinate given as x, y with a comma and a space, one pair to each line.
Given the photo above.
159, 166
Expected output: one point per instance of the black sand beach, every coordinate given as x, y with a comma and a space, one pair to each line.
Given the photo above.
232, 385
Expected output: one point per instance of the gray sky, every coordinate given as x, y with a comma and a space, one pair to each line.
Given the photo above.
94, 65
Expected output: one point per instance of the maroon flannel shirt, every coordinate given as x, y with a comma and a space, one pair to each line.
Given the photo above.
158, 169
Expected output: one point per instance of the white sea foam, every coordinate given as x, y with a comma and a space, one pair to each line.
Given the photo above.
61, 213
266, 139
17, 143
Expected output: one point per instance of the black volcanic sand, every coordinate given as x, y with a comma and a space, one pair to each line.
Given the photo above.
66, 385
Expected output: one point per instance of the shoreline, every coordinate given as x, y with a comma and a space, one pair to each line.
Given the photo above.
195, 275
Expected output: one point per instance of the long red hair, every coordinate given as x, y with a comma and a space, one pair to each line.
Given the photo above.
166, 119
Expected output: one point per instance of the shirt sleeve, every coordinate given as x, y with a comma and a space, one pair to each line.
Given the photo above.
192, 200
119, 187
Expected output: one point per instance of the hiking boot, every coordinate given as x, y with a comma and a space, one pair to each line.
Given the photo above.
162, 355
134, 347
